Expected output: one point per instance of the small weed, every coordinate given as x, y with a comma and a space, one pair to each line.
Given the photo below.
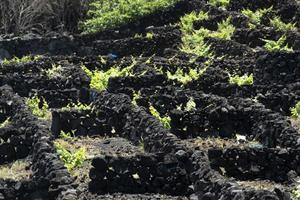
77, 106
102, 60
38, 108
138, 35
68, 135
190, 105
241, 80
149, 60
142, 144
150, 35
295, 111
255, 16
71, 159
276, 46
54, 72
219, 3
164, 120
5, 123
280, 25
136, 96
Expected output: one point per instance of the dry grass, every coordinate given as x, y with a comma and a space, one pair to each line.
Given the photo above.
295, 123
16, 171
19, 16
208, 143
262, 185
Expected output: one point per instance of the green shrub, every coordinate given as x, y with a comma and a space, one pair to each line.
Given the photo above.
193, 40
225, 30
295, 111
16, 60
219, 3
185, 78
187, 21
276, 46
277, 23
38, 108
164, 120
241, 80
71, 159
99, 79
255, 16
107, 14
195, 43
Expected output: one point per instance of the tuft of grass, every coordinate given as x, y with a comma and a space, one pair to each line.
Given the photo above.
278, 24
277, 46
219, 3
255, 16
164, 120
38, 108
241, 80
295, 111
108, 14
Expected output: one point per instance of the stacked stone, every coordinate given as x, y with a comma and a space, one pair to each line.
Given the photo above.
144, 173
